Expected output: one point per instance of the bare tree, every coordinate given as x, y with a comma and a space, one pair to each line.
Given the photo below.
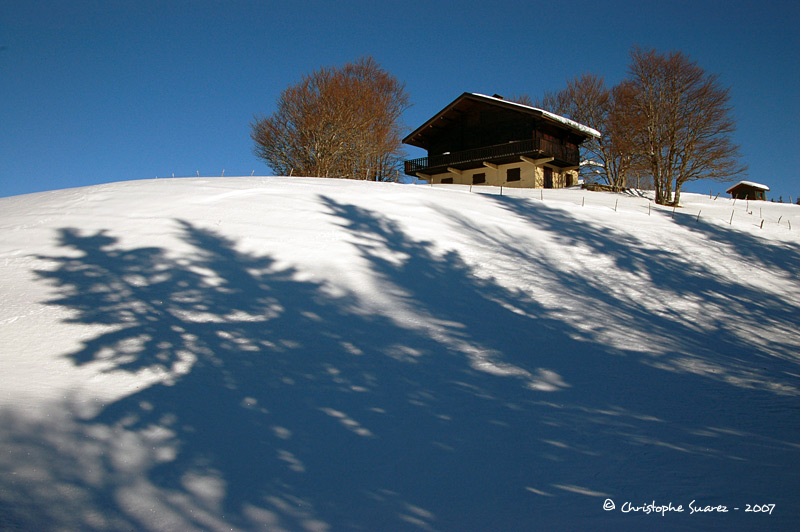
336, 122
681, 123
523, 99
587, 99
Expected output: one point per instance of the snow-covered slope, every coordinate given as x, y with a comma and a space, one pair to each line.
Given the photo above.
311, 355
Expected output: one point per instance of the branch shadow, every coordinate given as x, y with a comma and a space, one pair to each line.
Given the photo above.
783, 257
742, 326
276, 403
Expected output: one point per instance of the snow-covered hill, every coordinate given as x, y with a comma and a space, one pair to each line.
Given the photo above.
292, 354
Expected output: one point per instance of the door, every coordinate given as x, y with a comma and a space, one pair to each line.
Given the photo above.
548, 177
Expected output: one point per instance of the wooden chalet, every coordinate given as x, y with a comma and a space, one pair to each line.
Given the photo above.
748, 190
486, 140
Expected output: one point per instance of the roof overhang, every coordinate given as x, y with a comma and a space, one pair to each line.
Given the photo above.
469, 99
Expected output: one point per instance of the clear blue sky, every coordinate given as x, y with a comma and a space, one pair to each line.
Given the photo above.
93, 92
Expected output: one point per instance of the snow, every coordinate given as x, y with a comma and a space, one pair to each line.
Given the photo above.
558, 118
749, 184
297, 354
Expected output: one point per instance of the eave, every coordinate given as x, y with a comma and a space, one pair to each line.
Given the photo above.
421, 136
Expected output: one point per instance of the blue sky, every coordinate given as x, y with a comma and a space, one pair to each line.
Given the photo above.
94, 92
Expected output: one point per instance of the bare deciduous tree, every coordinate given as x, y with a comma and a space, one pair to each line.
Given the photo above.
681, 123
669, 123
589, 101
336, 122
523, 99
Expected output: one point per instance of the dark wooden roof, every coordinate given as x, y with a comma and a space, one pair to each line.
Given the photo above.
747, 185
470, 102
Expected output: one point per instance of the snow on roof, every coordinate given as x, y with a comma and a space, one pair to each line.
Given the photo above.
749, 184
558, 118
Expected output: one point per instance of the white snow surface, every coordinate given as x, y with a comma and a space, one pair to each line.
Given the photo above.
299, 354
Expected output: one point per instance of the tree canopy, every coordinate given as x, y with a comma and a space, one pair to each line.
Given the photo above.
336, 122
669, 122
683, 122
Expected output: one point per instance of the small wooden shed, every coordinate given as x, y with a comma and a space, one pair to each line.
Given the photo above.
748, 190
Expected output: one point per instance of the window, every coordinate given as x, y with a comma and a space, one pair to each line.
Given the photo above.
512, 174
447, 180
479, 179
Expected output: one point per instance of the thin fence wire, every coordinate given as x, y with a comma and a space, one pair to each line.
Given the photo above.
718, 209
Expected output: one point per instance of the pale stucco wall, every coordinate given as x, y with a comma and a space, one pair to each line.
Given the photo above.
530, 176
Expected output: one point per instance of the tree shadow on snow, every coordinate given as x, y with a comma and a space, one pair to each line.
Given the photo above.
673, 278
783, 257
281, 405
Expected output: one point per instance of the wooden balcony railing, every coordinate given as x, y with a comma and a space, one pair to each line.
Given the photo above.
498, 153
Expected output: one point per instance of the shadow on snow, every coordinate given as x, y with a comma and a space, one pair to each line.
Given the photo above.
281, 406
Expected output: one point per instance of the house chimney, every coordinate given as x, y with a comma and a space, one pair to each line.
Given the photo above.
498, 97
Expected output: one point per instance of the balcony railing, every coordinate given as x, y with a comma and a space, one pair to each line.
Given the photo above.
498, 154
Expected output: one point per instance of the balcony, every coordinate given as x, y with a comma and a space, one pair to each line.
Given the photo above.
508, 152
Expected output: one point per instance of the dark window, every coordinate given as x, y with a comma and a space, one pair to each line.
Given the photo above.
447, 180
568, 182
478, 179
512, 174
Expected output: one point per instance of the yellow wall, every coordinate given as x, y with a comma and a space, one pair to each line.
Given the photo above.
530, 176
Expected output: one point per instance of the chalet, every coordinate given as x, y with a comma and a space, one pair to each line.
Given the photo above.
748, 190
486, 140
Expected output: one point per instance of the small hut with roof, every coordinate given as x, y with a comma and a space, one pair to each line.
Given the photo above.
748, 190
